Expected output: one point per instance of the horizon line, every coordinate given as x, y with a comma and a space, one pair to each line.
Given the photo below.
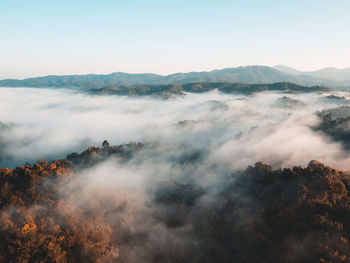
178, 72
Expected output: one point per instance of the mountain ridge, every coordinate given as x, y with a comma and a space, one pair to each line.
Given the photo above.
244, 74
330, 73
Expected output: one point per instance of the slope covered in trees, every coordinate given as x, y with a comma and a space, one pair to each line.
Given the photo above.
180, 89
255, 215
335, 124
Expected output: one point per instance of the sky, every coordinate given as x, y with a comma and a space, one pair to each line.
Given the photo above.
41, 37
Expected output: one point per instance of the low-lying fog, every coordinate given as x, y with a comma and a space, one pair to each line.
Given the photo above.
175, 200
237, 130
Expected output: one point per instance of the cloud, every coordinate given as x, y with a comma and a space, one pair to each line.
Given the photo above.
53, 123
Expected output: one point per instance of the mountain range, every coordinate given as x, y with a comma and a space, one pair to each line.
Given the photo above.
331, 77
333, 74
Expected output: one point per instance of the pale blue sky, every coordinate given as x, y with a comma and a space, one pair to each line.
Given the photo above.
41, 37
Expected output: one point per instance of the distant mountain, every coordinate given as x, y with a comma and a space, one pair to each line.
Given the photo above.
83, 81
247, 75
288, 70
339, 77
333, 74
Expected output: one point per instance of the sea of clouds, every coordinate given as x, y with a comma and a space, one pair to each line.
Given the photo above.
51, 123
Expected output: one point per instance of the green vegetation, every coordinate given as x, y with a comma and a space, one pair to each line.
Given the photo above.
179, 89
249, 74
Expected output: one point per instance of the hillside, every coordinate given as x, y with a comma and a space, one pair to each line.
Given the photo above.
247, 75
255, 215
168, 90
339, 77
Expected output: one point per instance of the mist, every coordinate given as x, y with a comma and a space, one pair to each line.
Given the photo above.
51, 123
